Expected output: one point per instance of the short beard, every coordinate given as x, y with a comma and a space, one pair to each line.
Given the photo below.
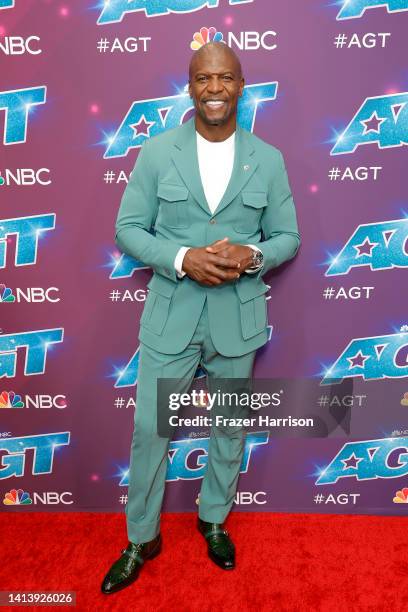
208, 121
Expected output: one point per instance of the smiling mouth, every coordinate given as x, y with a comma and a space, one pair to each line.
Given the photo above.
214, 103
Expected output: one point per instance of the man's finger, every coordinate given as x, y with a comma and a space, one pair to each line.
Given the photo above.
225, 262
220, 273
216, 246
211, 280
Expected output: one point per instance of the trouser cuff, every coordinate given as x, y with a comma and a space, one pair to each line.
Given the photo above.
213, 516
139, 533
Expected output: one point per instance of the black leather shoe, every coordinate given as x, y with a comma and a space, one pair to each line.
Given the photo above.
221, 550
126, 569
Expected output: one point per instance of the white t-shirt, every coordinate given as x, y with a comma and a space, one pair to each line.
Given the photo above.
215, 160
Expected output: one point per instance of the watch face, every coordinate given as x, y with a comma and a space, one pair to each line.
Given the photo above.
258, 259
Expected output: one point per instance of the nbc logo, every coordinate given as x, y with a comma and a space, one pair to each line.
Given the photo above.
6, 294
204, 36
10, 400
17, 497
245, 498
245, 41
401, 497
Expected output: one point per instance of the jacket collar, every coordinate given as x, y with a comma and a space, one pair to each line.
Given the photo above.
184, 155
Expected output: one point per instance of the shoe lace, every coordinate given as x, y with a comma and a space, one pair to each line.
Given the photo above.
134, 552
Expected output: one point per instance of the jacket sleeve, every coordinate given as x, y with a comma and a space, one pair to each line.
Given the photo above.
137, 213
281, 238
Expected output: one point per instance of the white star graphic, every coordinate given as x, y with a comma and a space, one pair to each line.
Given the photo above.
360, 357
373, 119
144, 127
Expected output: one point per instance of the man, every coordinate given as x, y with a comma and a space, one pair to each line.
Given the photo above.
209, 208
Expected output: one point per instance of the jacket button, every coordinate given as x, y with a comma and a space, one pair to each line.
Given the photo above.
212, 221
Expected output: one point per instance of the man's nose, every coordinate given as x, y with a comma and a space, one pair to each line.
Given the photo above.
214, 85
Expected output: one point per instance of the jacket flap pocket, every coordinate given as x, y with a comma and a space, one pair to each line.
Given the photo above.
251, 289
162, 285
171, 192
256, 199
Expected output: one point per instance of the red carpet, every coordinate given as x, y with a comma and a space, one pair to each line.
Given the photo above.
284, 562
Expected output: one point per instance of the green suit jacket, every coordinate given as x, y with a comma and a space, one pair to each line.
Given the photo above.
164, 207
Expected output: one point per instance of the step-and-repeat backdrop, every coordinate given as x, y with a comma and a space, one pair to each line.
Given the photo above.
83, 83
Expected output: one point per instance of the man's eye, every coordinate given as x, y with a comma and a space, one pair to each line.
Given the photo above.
228, 78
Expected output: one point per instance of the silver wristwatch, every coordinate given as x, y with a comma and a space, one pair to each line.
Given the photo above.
257, 259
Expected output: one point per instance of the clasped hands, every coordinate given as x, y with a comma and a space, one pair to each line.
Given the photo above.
218, 262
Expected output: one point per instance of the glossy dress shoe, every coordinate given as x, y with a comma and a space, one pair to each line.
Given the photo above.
126, 569
221, 550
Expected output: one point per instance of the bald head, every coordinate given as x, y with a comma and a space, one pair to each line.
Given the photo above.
213, 53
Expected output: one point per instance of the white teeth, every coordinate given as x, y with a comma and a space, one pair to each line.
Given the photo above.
215, 103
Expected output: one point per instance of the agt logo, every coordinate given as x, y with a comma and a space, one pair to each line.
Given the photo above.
29, 295
147, 118
247, 41
114, 10
371, 358
124, 265
380, 246
4, 4
352, 9
27, 230
44, 445
9, 399
187, 459
18, 497
17, 104
367, 460
34, 344
381, 119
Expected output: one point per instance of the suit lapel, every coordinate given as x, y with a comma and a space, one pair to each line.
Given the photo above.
185, 158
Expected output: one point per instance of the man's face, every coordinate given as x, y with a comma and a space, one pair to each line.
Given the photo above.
215, 86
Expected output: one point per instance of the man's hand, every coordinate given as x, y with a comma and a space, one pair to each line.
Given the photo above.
228, 250
211, 267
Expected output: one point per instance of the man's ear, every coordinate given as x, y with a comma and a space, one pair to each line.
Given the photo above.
241, 87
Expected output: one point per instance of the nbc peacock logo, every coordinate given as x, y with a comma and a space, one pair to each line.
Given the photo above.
401, 497
6, 294
204, 36
17, 497
9, 399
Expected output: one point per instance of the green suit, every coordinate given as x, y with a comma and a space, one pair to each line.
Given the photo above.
183, 322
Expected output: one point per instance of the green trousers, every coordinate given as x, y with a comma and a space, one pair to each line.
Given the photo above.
148, 460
